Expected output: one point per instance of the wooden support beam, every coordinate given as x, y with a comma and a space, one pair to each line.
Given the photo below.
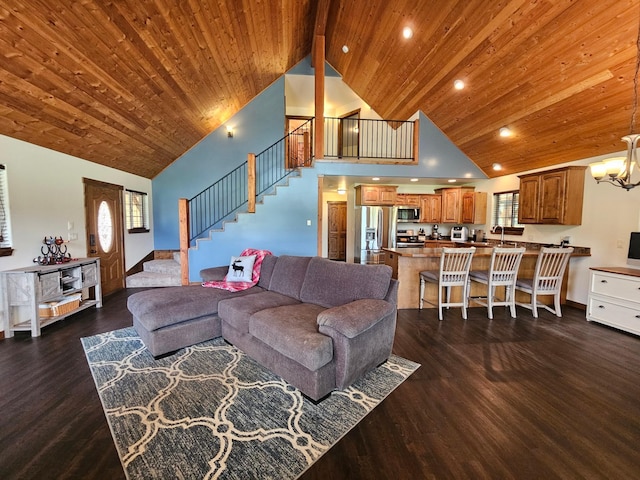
319, 98
251, 183
183, 218
320, 26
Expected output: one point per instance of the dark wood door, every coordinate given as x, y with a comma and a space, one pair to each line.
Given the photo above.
337, 221
105, 231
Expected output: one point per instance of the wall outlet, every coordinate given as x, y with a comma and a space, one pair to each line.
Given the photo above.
308, 223
619, 244
566, 239
73, 236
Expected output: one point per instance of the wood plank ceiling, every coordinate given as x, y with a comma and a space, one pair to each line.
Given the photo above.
133, 84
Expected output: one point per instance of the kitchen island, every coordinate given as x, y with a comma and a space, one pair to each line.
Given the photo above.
407, 263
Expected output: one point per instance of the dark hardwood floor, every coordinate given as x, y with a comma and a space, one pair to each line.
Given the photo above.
548, 398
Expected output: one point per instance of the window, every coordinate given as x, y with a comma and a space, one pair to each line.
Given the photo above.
505, 212
136, 214
5, 233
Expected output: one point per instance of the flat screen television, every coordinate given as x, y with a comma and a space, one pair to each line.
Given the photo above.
633, 258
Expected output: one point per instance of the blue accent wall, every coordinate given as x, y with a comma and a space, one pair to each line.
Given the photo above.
257, 126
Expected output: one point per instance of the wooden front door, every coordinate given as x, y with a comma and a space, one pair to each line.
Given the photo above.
337, 221
105, 231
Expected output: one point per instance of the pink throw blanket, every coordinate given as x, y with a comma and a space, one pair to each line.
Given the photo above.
238, 286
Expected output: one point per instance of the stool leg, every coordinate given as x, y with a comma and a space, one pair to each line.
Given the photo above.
421, 292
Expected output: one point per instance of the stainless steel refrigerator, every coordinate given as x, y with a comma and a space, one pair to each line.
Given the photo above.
375, 228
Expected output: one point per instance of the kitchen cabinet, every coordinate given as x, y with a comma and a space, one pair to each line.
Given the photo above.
408, 200
36, 296
458, 209
614, 298
430, 208
474, 207
552, 197
376, 195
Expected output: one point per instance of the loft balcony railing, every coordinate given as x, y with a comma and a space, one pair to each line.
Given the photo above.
364, 138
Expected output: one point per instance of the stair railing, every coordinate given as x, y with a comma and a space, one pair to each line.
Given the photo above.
242, 186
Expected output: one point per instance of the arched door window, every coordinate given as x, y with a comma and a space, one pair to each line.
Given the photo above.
105, 226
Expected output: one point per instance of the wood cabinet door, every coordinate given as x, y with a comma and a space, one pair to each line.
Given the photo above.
431, 208
552, 197
451, 206
387, 195
529, 203
370, 195
468, 207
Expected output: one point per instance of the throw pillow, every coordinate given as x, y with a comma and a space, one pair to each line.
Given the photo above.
241, 269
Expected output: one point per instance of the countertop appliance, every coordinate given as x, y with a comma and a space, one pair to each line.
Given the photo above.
408, 215
375, 228
459, 234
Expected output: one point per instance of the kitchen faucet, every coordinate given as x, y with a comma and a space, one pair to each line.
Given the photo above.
501, 233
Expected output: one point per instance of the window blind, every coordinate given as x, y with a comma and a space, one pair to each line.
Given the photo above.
5, 237
505, 208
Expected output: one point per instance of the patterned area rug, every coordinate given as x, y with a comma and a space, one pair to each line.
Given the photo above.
211, 412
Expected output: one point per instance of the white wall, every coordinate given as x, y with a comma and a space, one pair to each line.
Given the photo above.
46, 192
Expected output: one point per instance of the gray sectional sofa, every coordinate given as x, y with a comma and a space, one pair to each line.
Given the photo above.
316, 323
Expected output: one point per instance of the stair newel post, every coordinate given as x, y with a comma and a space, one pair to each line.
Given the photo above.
251, 183
416, 141
183, 217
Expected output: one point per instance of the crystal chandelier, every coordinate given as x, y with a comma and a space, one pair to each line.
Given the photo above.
617, 171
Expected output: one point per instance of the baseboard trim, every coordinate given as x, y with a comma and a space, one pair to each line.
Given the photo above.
577, 305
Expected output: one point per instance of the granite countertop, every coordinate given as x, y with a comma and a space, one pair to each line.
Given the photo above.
483, 249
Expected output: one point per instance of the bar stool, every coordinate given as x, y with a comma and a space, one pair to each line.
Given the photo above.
547, 279
453, 272
503, 272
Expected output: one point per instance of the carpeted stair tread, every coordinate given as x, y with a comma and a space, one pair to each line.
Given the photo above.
167, 266
153, 279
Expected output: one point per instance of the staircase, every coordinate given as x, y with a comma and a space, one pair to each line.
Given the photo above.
157, 273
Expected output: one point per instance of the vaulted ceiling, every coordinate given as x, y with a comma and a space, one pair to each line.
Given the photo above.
133, 84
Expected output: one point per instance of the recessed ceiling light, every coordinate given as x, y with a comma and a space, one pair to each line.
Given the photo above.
375, 179
497, 166
452, 180
414, 180
342, 191
505, 132
407, 32
458, 84
345, 49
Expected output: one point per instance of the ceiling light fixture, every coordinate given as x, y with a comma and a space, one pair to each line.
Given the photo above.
375, 179
342, 191
458, 84
505, 132
617, 171
452, 180
413, 180
407, 32
497, 167
345, 49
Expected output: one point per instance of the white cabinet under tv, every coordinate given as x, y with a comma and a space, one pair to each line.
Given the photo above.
614, 298
36, 296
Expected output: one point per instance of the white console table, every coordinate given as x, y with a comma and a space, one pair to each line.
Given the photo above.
23, 290
614, 298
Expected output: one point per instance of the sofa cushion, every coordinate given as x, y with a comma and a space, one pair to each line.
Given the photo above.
266, 270
292, 330
288, 274
329, 283
159, 307
241, 269
236, 311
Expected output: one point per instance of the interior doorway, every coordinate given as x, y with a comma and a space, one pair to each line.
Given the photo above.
105, 231
299, 141
349, 135
337, 234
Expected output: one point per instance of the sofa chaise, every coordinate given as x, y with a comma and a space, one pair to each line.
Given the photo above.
316, 323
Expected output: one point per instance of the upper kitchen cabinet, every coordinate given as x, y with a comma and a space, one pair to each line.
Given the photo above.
552, 197
474, 207
459, 205
431, 208
376, 195
408, 200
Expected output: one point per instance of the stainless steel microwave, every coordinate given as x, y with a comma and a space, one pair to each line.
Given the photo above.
408, 214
